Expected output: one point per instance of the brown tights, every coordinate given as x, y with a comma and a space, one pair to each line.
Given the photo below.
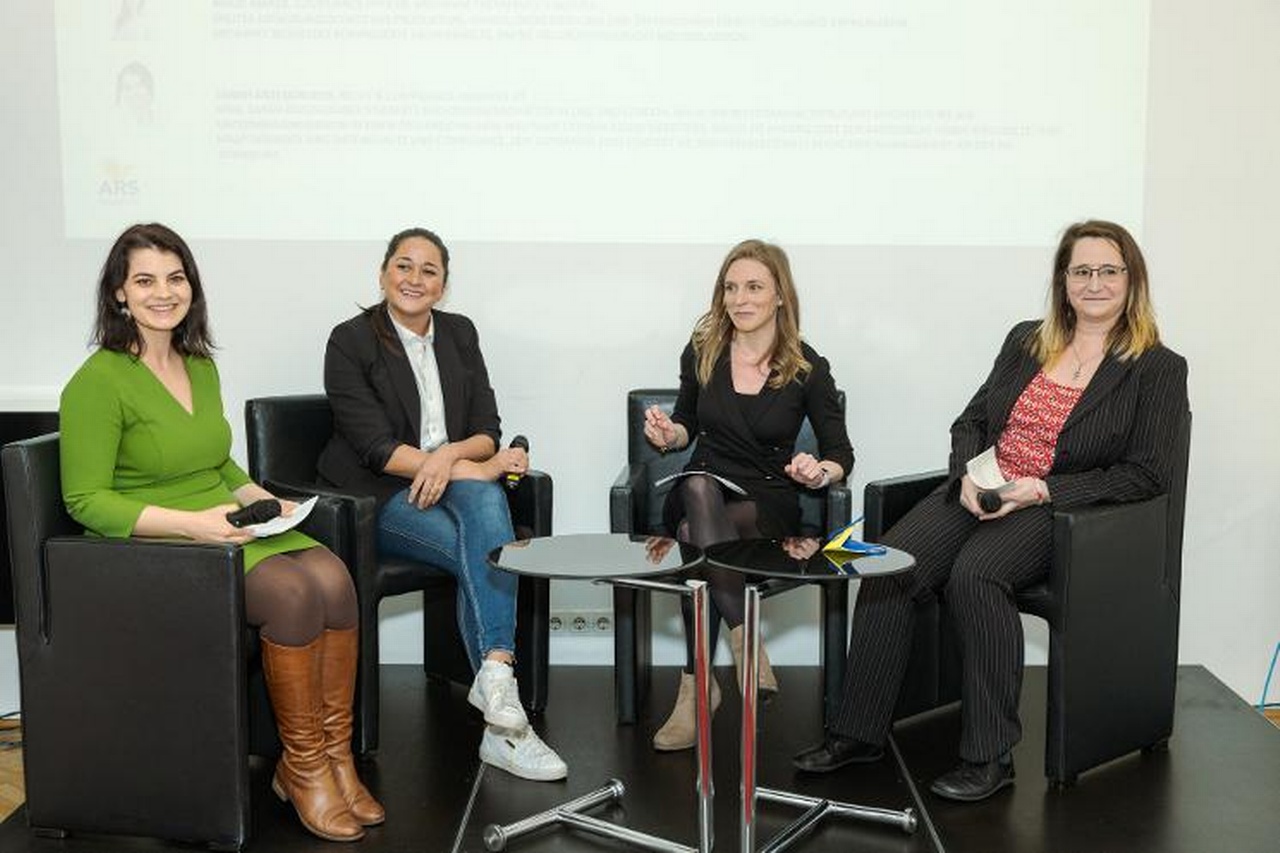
291, 598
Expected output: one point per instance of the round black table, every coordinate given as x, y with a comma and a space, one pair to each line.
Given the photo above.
803, 560
595, 556
620, 558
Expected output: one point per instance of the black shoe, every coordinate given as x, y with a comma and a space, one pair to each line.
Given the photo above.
835, 752
971, 782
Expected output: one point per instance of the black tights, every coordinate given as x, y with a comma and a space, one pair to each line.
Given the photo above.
709, 518
291, 598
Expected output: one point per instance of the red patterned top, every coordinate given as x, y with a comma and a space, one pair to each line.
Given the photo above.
1025, 448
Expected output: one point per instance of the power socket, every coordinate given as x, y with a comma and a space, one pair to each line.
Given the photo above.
581, 622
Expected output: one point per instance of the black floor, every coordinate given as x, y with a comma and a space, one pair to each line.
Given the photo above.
1217, 788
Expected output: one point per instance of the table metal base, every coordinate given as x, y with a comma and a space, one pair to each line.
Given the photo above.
816, 809
571, 813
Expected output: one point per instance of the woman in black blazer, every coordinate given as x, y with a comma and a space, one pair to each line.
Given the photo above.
747, 382
416, 425
1081, 407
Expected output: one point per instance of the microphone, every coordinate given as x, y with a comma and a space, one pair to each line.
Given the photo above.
255, 513
990, 501
513, 480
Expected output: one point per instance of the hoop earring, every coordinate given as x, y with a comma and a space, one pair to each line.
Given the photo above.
123, 308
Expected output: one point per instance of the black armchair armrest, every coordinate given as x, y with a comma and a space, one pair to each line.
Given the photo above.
136, 635
1109, 570
629, 499
839, 506
886, 501
531, 504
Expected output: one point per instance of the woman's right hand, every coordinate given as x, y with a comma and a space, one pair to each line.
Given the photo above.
211, 525
659, 429
969, 496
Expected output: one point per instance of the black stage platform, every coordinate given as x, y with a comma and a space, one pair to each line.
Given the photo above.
1217, 788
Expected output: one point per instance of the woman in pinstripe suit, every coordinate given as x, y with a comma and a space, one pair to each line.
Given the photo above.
1082, 408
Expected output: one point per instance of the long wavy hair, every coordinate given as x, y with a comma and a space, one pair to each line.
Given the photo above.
377, 314
115, 330
1135, 330
714, 330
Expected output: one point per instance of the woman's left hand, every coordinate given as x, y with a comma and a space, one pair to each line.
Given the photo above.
509, 460
1020, 494
806, 471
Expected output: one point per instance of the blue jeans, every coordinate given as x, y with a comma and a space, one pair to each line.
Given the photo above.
456, 535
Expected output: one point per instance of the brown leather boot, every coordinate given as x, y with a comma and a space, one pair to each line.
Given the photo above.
768, 683
340, 651
303, 775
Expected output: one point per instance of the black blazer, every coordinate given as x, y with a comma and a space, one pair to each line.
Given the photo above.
1117, 443
753, 453
375, 403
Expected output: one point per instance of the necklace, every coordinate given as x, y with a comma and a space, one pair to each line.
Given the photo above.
1080, 364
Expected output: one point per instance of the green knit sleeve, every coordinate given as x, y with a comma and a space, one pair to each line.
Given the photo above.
90, 419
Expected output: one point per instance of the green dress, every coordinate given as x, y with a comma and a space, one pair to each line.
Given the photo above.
127, 444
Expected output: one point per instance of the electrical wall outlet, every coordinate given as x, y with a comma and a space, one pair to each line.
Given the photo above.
581, 622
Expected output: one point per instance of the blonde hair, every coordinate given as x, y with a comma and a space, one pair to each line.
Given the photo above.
714, 329
1135, 330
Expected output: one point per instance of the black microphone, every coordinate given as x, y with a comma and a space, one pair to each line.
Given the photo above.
990, 501
513, 480
255, 513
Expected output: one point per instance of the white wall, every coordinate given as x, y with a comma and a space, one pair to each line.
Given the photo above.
568, 328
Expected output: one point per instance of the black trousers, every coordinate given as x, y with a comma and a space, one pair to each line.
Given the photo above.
975, 566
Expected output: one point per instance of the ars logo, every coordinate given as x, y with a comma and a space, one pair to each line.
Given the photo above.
119, 181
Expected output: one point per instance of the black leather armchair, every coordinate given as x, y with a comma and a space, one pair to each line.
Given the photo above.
1111, 602
635, 506
285, 437
136, 669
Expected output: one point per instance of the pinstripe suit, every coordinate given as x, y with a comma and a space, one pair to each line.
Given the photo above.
1115, 446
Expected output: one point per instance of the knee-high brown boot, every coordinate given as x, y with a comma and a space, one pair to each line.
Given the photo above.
303, 775
338, 687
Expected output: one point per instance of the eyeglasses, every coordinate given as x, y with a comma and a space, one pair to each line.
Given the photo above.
1107, 273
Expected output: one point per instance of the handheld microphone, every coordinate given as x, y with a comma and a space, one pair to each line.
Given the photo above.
513, 480
990, 501
255, 513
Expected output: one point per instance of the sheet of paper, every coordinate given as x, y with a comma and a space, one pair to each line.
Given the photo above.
728, 484
281, 523
985, 471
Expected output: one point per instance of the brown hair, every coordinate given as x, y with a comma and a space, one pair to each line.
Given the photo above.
1135, 330
714, 329
378, 313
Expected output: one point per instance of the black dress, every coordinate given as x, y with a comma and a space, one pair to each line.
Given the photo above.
749, 439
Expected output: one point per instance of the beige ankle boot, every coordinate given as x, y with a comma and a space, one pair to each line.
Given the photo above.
680, 731
768, 683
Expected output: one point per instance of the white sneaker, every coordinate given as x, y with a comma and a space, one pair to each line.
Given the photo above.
521, 753
496, 694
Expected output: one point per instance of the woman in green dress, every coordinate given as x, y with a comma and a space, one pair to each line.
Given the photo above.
146, 452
